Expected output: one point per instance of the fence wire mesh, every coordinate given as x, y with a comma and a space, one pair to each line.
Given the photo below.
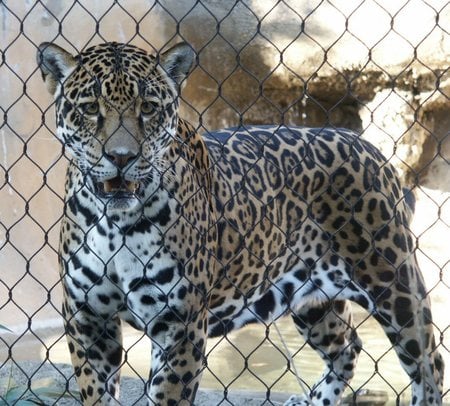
377, 67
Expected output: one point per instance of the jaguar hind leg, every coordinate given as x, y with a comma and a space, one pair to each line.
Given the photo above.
403, 310
328, 328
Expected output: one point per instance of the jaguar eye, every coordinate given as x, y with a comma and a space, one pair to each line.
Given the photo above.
148, 108
91, 109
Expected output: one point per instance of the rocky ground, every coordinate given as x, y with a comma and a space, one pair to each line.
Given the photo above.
56, 377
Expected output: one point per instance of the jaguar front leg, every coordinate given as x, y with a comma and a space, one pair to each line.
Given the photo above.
178, 362
95, 346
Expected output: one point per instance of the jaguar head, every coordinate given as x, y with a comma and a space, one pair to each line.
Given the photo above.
116, 113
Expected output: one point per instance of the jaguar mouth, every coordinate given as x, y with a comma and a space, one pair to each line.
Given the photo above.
118, 188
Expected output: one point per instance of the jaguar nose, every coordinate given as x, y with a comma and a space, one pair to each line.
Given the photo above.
120, 159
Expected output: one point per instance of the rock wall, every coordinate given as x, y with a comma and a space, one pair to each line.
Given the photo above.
378, 67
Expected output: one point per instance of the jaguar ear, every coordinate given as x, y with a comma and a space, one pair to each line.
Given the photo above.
177, 61
55, 64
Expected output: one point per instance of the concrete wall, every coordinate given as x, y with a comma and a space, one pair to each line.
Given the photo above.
379, 67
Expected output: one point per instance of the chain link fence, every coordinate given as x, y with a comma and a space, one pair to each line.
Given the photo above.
378, 67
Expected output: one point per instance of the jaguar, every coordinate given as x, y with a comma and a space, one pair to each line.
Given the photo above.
187, 236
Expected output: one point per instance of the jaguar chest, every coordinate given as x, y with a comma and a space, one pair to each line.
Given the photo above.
122, 266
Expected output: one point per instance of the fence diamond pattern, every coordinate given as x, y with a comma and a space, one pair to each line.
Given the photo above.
378, 67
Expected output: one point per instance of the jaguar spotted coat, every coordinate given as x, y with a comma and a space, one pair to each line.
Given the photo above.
187, 236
